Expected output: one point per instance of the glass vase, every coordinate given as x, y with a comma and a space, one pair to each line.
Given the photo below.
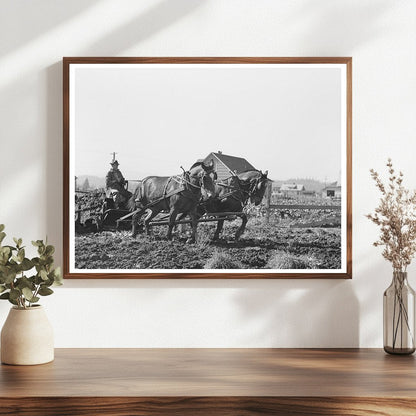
399, 316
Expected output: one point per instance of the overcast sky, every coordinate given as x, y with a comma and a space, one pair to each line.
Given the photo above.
280, 118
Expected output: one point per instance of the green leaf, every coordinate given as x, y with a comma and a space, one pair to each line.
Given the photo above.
21, 255
2, 288
8, 277
43, 274
37, 243
58, 280
5, 250
24, 282
49, 250
28, 294
26, 264
5, 295
15, 294
2, 236
2, 227
45, 291
13, 302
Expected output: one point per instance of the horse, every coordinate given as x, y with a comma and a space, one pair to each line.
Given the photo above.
176, 194
233, 194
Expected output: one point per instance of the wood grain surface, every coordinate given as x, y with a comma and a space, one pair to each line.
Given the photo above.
212, 381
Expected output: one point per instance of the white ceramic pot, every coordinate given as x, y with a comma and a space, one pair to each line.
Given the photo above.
27, 337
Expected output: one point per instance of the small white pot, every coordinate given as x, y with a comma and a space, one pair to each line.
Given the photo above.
27, 337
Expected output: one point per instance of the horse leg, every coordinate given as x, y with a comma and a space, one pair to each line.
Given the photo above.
218, 231
172, 218
242, 228
135, 225
194, 225
149, 216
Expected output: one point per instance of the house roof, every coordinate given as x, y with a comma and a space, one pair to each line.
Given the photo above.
234, 163
333, 185
292, 187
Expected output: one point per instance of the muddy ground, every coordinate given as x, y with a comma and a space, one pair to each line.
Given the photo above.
117, 250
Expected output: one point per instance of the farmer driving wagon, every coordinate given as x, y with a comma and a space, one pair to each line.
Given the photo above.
116, 185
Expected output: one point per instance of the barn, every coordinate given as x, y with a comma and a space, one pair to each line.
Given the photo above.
224, 165
292, 189
333, 191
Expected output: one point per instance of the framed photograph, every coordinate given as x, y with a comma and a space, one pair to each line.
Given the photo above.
207, 168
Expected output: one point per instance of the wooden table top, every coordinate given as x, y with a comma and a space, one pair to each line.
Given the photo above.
214, 372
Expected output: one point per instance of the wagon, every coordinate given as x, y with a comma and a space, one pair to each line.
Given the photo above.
97, 216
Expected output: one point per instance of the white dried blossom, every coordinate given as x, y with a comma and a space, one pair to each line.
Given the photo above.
396, 217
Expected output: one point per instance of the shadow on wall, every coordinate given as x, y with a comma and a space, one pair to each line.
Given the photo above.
142, 27
328, 24
37, 17
301, 313
158, 17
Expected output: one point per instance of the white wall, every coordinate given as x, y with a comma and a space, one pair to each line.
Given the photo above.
380, 35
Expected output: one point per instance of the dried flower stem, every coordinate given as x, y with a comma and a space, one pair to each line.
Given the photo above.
396, 217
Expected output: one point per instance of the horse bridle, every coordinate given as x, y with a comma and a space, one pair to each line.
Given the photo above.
245, 194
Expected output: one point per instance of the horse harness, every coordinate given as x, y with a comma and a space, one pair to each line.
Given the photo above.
182, 180
238, 193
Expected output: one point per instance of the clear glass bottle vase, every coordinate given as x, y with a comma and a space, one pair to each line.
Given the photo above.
399, 316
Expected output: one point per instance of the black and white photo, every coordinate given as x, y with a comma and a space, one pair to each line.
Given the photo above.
211, 167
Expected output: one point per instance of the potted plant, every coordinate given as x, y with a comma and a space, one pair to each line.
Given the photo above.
27, 336
396, 217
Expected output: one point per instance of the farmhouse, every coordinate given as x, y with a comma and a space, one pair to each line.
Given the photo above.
292, 189
333, 190
225, 164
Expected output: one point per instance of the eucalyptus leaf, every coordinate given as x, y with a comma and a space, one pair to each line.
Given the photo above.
15, 285
9, 277
49, 250
43, 275
21, 255
58, 276
26, 264
45, 291
16, 241
15, 294
24, 282
13, 302
27, 293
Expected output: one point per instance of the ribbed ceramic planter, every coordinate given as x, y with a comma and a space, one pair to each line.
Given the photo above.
27, 337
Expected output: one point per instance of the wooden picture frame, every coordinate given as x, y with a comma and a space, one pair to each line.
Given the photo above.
290, 116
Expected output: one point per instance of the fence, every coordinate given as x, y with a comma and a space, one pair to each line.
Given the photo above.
269, 206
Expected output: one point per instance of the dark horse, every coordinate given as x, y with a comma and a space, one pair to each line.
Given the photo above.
233, 194
175, 194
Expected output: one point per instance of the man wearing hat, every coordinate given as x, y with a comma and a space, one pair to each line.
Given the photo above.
115, 180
